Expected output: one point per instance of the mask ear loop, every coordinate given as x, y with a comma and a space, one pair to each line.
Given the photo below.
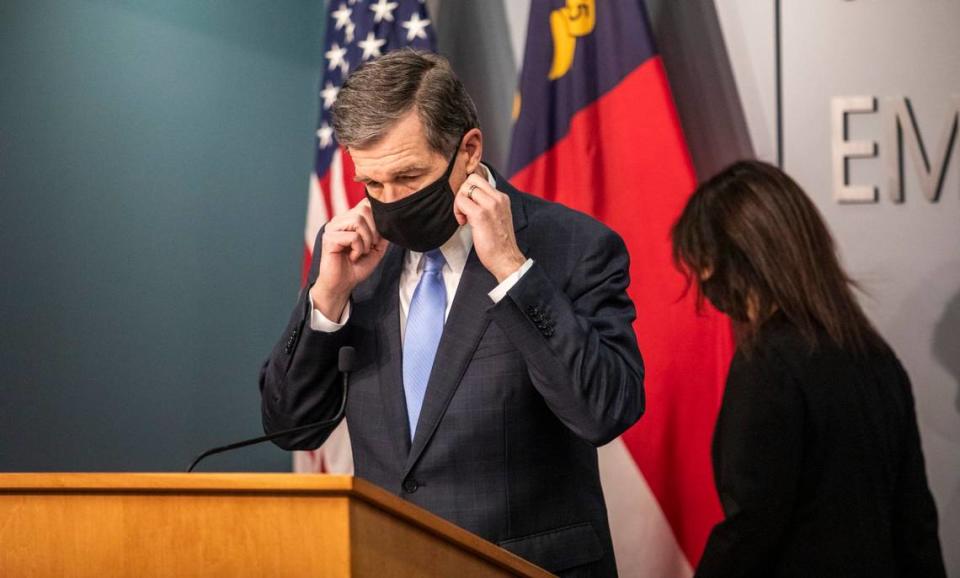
453, 158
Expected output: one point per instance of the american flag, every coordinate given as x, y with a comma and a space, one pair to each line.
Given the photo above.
357, 31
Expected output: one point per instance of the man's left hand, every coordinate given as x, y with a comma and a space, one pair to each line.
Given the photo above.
488, 212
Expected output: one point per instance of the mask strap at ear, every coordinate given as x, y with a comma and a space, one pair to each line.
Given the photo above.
453, 157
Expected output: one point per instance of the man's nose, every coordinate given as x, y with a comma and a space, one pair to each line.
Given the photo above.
391, 193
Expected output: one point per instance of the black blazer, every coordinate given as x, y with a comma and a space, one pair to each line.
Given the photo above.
521, 393
818, 465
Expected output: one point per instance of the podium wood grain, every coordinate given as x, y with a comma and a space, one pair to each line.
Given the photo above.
238, 525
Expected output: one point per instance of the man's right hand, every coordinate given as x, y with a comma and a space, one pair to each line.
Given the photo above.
351, 250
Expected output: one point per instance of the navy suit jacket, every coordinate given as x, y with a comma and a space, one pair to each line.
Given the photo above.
521, 393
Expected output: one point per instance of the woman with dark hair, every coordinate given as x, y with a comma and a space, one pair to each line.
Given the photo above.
816, 451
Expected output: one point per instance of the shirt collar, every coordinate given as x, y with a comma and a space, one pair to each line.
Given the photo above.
457, 248
490, 179
455, 251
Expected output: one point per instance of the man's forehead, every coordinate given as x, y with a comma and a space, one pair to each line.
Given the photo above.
403, 134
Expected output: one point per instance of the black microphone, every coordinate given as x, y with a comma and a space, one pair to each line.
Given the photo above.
345, 359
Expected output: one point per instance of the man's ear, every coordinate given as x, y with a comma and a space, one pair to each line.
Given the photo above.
473, 147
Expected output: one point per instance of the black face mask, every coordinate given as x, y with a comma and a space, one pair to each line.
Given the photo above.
421, 221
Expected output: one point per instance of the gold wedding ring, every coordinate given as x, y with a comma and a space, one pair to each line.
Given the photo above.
470, 191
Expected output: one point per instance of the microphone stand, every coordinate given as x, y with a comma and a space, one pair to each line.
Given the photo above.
345, 365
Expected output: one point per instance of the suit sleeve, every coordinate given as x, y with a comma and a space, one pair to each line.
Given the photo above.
758, 455
299, 381
915, 514
578, 342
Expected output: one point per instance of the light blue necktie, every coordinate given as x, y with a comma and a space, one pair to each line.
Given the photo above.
422, 334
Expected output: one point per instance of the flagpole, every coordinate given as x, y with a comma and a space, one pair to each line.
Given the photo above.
778, 71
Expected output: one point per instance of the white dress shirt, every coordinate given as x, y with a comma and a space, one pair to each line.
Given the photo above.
455, 252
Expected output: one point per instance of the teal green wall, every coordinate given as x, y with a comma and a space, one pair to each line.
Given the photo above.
154, 161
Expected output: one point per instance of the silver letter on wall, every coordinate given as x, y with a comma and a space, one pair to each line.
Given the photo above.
844, 150
899, 113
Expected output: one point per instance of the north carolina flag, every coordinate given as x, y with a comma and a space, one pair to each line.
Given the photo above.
596, 129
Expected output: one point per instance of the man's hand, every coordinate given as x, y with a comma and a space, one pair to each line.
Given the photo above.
351, 249
488, 212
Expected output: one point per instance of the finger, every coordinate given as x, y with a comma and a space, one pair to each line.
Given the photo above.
460, 215
481, 182
362, 228
381, 246
467, 208
337, 241
479, 190
463, 204
357, 252
483, 198
342, 242
339, 222
358, 247
366, 211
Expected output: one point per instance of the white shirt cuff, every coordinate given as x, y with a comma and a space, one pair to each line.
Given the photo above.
500, 291
319, 321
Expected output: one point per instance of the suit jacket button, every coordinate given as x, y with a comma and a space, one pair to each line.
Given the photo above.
410, 485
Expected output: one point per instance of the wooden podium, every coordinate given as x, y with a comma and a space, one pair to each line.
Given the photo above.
263, 525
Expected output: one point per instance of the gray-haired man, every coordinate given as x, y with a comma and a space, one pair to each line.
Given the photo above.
492, 329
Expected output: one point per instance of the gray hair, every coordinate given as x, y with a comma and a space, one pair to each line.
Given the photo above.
381, 91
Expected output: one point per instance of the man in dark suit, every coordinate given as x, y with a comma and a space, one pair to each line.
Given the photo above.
492, 328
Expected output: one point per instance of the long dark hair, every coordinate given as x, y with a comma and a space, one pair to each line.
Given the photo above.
754, 244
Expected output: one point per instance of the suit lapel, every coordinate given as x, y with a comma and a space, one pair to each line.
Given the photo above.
461, 333
390, 351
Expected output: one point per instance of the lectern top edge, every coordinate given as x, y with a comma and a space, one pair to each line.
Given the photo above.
273, 484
